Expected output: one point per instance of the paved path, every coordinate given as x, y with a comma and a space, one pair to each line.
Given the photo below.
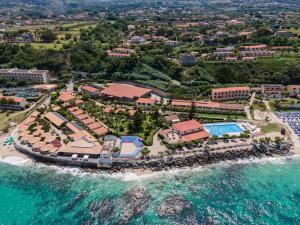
156, 147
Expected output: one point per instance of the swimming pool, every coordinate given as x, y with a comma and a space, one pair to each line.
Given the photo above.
224, 128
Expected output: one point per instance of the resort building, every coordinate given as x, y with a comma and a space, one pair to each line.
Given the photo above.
172, 119
32, 76
125, 92
66, 96
272, 90
83, 147
208, 106
254, 47
90, 90
293, 90
230, 93
12, 103
146, 103
56, 119
185, 131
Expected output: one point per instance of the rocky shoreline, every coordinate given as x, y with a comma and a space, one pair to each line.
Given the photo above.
206, 157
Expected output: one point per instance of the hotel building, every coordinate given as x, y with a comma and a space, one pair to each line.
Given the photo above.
230, 93
184, 132
272, 90
33, 76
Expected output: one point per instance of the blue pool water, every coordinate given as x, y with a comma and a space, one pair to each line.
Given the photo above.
221, 129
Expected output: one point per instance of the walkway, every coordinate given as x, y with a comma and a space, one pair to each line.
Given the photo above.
156, 146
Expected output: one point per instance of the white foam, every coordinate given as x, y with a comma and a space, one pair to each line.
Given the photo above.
16, 160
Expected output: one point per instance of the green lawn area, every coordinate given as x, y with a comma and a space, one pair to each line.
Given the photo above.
282, 103
45, 45
257, 105
16, 117
220, 116
270, 127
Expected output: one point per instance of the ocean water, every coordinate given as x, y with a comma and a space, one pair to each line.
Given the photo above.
261, 192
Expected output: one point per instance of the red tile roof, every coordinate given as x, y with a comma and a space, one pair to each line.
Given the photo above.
94, 126
187, 125
254, 46
89, 89
66, 96
132, 112
101, 131
18, 100
88, 121
72, 109
77, 112
82, 117
195, 136
232, 89
125, 91
148, 101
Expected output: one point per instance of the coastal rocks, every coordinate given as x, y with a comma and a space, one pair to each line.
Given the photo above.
102, 209
263, 149
173, 205
75, 200
132, 203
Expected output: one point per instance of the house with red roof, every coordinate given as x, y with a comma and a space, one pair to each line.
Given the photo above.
12, 103
86, 89
66, 96
230, 93
124, 92
185, 131
146, 103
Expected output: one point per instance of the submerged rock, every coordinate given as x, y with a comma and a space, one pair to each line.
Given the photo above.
133, 202
75, 200
173, 205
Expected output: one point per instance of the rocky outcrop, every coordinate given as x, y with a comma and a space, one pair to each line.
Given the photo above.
206, 157
172, 205
133, 203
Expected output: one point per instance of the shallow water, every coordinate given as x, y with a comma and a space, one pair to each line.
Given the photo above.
264, 192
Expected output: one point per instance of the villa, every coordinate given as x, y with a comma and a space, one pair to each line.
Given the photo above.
230, 93
185, 131
146, 103
66, 96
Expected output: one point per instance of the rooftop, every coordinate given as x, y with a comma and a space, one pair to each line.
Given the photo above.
66, 96
227, 89
56, 118
187, 125
125, 91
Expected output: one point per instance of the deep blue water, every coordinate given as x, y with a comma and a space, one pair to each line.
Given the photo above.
245, 193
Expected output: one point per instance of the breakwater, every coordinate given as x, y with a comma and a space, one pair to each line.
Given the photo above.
206, 157
200, 158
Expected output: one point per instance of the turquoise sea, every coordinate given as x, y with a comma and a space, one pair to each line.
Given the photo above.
265, 192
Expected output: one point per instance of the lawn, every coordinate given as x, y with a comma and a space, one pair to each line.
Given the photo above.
270, 127
6, 118
45, 45
258, 105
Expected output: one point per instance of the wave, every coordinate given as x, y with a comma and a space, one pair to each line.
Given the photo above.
16, 161
135, 175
